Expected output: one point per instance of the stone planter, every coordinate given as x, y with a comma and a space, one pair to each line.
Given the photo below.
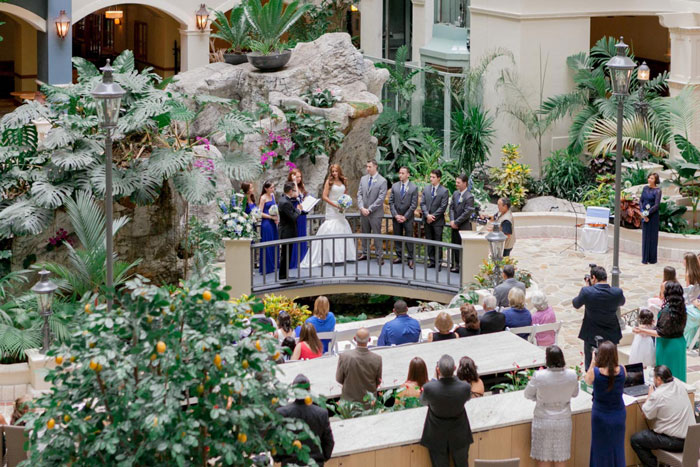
235, 59
238, 269
271, 62
15, 379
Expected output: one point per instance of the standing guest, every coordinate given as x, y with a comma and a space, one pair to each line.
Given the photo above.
417, 377
403, 201
247, 189
649, 203
370, 201
467, 372
657, 302
600, 314
505, 217
461, 211
552, 390
444, 325
670, 322
317, 420
692, 282
322, 319
298, 249
359, 370
284, 326
400, 330
671, 413
446, 432
544, 314
433, 204
309, 345
643, 349
502, 289
470, 321
517, 315
492, 320
288, 224
608, 415
268, 228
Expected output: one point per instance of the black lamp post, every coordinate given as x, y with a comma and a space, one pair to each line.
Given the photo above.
44, 290
641, 106
108, 95
497, 241
620, 67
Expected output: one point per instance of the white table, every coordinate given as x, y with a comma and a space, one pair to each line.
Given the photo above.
594, 240
493, 353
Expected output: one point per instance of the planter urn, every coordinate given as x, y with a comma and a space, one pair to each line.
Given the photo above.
270, 62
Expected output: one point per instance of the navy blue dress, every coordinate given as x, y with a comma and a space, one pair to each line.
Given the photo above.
268, 233
249, 207
301, 232
608, 422
650, 230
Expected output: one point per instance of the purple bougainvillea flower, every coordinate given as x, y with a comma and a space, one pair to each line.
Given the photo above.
291, 165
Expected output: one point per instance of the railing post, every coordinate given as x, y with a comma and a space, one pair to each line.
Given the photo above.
475, 249
239, 275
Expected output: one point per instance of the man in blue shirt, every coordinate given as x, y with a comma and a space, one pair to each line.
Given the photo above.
400, 330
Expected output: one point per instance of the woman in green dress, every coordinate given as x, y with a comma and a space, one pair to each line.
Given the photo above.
670, 323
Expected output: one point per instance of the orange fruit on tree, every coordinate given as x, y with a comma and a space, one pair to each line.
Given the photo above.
160, 347
72, 359
206, 295
172, 307
245, 364
200, 388
51, 423
91, 345
88, 308
276, 356
66, 418
297, 444
274, 400
149, 319
258, 345
59, 359
242, 437
308, 400
99, 367
217, 361
153, 356
93, 365
155, 421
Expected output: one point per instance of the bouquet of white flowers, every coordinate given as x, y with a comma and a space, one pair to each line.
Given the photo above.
645, 213
274, 210
234, 222
344, 202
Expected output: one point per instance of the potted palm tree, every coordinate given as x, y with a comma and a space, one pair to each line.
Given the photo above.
268, 23
236, 32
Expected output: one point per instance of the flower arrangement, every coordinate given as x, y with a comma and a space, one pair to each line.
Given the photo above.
323, 98
274, 304
486, 279
345, 201
645, 213
235, 223
274, 210
278, 148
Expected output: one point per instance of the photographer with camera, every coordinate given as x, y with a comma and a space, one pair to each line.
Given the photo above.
601, 302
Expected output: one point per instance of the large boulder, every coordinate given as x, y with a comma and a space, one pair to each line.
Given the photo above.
552, 204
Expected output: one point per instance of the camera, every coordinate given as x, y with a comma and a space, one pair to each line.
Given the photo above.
476, 217
587, 277
598, 340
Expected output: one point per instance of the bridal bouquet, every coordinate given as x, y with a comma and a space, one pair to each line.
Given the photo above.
274, 210
645, 213
345, 201
234, 222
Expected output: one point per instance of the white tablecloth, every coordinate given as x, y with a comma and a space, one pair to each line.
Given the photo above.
594, 240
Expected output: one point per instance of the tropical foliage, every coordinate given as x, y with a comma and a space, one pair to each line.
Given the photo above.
565, 176
472, 136
234, 31
486, 278
327, 16
511, 177
274, 304
270, 21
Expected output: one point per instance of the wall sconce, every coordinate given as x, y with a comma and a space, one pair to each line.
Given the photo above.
354, 8
202, 17
62, 24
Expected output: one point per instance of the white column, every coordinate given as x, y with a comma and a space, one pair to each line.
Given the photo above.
371, 27
423, 19
194, 48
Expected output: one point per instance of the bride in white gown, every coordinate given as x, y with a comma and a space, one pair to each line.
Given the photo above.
334, 224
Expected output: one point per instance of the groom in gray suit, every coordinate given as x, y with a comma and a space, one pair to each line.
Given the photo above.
403, 201
370, 200
461, 210
433, 203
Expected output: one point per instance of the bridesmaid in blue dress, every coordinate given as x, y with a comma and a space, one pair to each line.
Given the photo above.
651, 196
608, 415
247, 189
295, 258
268, 228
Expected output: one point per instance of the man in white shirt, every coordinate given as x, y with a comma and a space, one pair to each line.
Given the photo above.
669, 409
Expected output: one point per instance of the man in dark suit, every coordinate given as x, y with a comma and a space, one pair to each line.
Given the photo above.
316, 418
288, 224
402, 203
433, 204
492, 320
600, 314
461, 211
446, 431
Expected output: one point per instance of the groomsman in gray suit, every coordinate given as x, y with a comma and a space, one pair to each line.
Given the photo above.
370, 200
403, 201
461, 211
433, 204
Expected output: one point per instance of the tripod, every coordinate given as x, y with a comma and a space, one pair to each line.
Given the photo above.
576, 225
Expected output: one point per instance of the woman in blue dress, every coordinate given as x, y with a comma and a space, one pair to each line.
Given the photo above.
268, 228
649, 204
247, 189
296, 258
608, 415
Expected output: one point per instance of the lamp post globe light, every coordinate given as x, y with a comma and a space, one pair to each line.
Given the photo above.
44, 290
497, 240
641, 107
620, 67
108, 96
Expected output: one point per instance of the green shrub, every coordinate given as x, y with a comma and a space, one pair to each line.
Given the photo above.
565, 174
512, 176
671, 217
603, 195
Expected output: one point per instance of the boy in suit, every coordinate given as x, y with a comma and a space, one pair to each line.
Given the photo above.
433, 204
403, 201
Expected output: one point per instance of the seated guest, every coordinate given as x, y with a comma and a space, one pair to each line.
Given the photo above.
309, 346
470, 325
544, 314
322, 319
400, 330
284, 326
517, 315
444, 325
446, 432
317, 420
552, 390
492, 320
670, 412
502, 289
467, 372
359, 370
21, 407
417, 377
288, 345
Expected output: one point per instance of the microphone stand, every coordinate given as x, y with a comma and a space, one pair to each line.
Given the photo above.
575, 245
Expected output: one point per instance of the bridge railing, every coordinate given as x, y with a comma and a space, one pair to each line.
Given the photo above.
314, 221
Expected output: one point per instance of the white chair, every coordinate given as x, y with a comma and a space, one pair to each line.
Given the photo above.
688, 457
529, 330
595, 239
331, 336
556, 327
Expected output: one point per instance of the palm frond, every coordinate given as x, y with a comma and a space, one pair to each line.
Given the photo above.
603, 138
15, 342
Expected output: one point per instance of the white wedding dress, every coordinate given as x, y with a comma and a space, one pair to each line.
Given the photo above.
334, 224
